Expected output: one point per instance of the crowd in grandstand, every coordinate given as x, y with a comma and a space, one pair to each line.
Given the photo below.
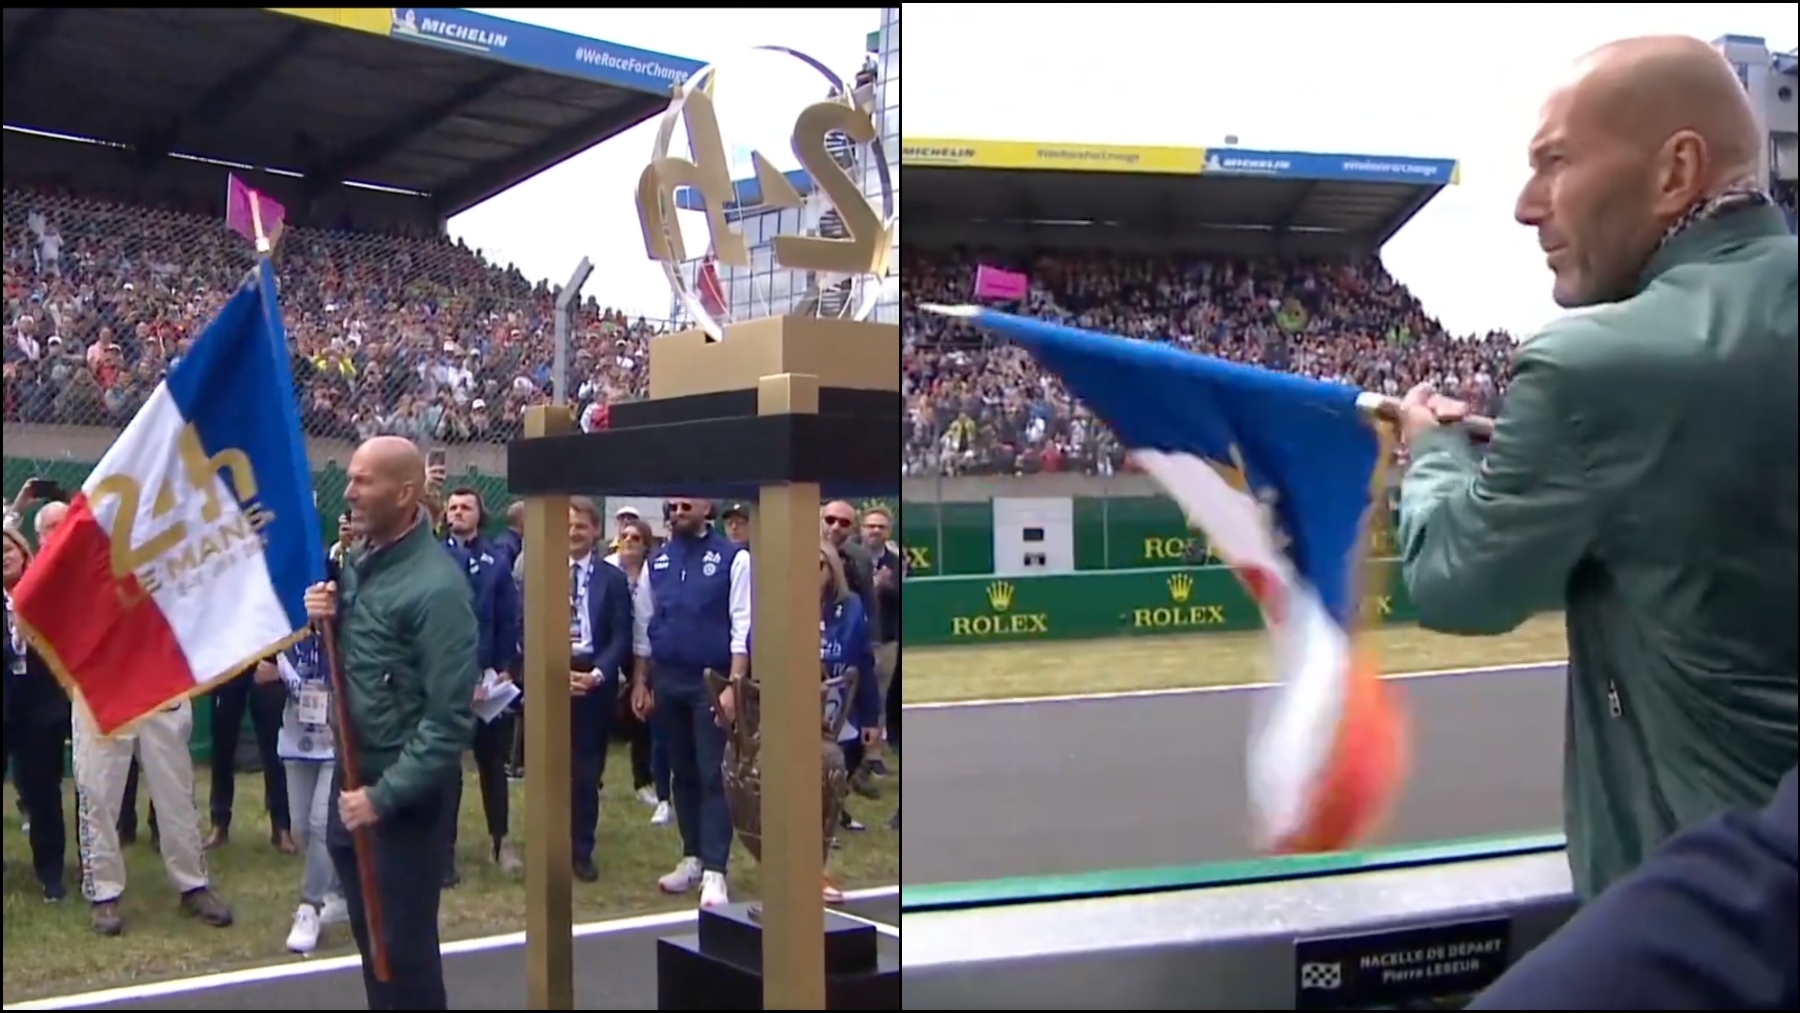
390, 335
976, 407
422, 337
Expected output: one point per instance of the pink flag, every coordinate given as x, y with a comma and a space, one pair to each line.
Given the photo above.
244, 203
995, 283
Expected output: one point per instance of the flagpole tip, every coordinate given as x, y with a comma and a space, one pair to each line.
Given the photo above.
940, 309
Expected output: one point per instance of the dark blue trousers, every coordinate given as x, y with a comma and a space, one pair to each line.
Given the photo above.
590, 729
409, 850
696, 746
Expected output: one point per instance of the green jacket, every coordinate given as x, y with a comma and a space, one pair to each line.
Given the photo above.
406, 648
1642, 477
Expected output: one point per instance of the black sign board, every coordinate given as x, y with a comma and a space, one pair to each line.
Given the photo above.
1399, 967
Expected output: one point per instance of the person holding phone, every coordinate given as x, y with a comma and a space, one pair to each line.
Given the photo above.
35, 492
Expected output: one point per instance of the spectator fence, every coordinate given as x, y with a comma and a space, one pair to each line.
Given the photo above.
414, 336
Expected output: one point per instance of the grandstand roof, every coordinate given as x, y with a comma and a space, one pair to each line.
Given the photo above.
440, 101
1152, 199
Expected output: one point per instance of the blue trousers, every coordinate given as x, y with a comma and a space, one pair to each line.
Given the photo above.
590, 729
409, 849
696, 748
659, 762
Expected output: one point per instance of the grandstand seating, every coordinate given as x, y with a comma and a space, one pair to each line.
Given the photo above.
420, 337
423, 337
976, 408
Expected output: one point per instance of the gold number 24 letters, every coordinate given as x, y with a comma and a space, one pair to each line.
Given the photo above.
128, 556
709, 174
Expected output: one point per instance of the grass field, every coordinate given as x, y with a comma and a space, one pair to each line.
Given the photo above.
1055, 668
50, 949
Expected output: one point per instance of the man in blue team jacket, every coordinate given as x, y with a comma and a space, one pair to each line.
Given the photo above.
498, 617
700, 583
1707, 923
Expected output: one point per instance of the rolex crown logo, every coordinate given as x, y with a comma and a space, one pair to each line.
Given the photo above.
1000, 595
1181, 587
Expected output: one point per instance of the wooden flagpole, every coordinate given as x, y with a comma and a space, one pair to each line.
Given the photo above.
346, 761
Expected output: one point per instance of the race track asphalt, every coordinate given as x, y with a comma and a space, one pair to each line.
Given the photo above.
1061, 786
613, 971
1077, 785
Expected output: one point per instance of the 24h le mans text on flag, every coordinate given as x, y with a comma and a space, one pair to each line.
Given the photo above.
185, 556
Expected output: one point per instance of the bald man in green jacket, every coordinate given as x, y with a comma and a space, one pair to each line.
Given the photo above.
1642, 476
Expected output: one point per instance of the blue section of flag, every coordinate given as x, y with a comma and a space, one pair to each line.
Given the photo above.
236, 386
1304, 447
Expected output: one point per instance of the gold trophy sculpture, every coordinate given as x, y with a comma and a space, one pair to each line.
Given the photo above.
786, 398
743, 758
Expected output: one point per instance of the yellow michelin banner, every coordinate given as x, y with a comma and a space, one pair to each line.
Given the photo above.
362, 19
948, 153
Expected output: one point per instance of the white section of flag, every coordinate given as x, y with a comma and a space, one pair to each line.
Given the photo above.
242, 590
1295, 727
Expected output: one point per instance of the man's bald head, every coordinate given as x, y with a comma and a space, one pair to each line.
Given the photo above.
386, 485
395, 456
1655, 88
1643, 131
836, 520
49, 518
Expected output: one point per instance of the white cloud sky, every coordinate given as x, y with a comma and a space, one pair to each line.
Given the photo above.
1440, 80
584, 207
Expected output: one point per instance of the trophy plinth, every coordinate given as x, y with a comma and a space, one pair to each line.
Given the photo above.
785, 411
720, 966
788, 411
723, 421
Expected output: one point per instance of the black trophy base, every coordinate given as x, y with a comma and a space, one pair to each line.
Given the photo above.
719, 967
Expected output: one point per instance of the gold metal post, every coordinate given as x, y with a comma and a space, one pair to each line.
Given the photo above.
785, 534
549, 944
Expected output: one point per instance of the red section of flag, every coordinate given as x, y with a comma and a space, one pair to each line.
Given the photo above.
108, 637
708, 289
1365, 773
243, 203
1265, 589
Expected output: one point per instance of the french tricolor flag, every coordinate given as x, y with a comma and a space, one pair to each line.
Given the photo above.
1280, 471
185, 557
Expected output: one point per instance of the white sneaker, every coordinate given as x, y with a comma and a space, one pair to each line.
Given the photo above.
335, 911
713, 891
662, 815
304, 936
647, 796
682, 879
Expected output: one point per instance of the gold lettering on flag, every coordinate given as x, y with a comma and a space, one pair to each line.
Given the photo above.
177, 556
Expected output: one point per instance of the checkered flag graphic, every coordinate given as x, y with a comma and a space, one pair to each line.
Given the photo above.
1322, 977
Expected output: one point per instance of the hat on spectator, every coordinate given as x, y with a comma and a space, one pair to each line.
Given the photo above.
736, 509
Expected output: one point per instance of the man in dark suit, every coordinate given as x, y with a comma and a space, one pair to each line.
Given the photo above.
1708, 923
599, 646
